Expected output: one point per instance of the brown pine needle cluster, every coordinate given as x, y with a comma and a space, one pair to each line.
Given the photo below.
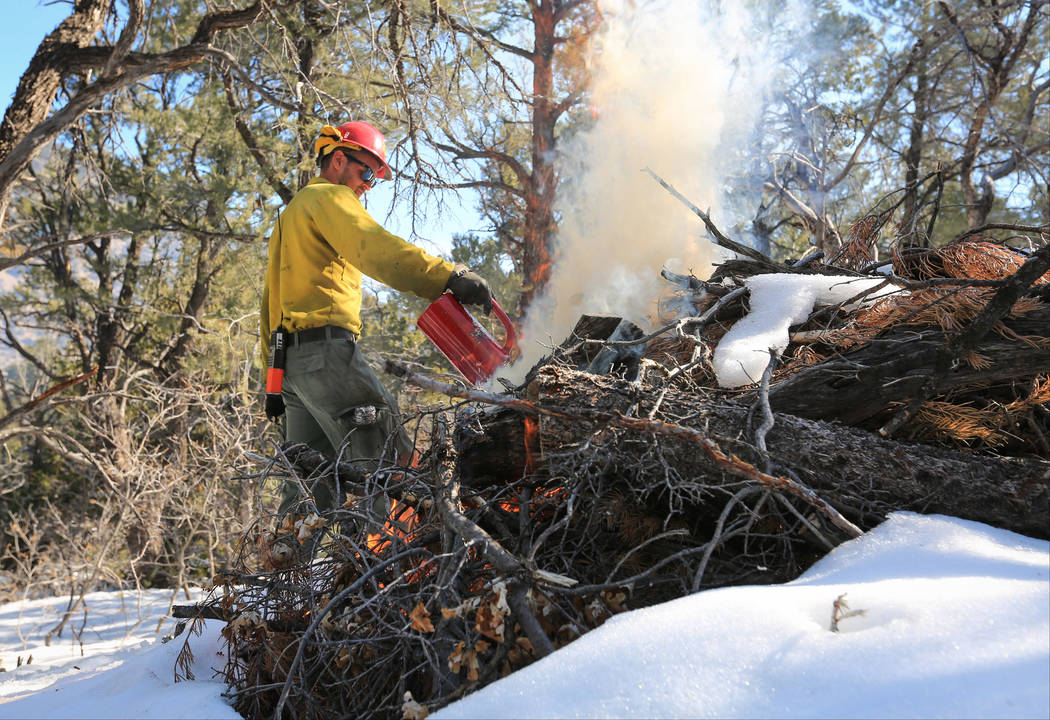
959, 422
973, 259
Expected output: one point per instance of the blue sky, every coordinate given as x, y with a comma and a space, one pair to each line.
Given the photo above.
26, 23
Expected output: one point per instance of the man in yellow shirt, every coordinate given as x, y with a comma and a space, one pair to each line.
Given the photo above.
323, 242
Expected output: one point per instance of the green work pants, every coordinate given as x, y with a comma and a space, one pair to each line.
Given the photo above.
335, 404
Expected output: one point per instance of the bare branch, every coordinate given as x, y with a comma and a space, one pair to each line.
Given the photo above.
250, 142
717, 234
31, 253
11, 416
127, 37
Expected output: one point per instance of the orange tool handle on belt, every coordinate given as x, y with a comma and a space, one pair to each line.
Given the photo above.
275, 373
274, 380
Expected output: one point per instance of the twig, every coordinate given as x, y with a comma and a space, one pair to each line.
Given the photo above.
709, 548
712, 228
677, 532
805, 521
767, 412
839, 612
585, 590
1043, 229
945, 282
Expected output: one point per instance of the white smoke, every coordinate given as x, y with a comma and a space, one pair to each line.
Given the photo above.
676, 86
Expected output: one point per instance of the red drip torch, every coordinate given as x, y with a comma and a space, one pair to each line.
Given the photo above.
463, 340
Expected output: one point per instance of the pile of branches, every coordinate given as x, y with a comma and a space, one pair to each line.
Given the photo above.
959, 356
421, 587
424, 586
619, 476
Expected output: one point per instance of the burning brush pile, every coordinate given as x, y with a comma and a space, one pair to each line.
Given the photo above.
623, 473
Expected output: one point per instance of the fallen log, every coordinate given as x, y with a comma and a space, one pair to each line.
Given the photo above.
861, 474
861, 384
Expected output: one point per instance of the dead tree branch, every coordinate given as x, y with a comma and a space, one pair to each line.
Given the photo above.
717, 234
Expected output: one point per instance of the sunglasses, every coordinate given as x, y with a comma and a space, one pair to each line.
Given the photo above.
368, 175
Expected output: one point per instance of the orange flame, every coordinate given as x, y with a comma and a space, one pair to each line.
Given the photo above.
543, 272
400, 523
532, 443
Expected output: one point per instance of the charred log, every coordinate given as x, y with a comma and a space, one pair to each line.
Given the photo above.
600, 344
858, 472
859, 385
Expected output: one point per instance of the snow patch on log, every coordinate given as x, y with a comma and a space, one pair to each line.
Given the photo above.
778, 301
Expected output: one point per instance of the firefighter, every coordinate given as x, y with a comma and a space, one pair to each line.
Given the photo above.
323, 242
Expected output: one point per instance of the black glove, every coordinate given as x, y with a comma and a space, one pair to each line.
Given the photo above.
470, 288
274, 406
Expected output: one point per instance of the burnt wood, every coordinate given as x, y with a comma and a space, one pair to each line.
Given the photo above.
861, 474
859, 385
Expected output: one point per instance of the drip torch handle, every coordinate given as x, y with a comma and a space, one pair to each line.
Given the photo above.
508, 326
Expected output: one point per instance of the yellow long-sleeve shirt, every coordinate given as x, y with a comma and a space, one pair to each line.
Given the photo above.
322, 243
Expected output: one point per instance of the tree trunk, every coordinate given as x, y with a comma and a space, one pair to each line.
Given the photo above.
539, 195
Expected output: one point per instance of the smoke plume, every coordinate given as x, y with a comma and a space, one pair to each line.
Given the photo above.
676, 86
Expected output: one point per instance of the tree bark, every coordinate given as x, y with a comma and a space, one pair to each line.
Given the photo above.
40, 82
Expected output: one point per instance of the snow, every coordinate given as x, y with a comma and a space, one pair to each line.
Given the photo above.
778, 301
956, 624
125, 671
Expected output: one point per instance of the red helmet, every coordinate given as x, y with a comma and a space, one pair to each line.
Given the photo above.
355, 135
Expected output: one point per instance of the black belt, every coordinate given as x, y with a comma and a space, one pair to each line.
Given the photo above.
326, 332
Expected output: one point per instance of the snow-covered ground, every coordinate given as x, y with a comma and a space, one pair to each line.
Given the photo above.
123, 669
956, 624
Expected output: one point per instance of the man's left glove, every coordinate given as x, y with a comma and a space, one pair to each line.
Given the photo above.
470, 288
